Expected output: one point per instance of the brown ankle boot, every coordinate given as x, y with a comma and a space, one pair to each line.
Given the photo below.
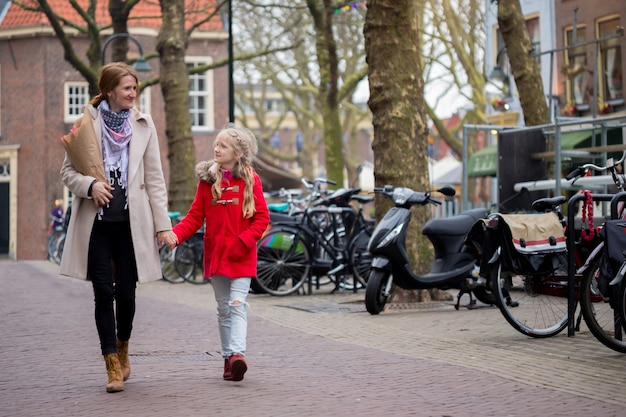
122, 354
114, 371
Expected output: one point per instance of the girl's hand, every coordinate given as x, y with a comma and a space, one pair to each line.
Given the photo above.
167, 237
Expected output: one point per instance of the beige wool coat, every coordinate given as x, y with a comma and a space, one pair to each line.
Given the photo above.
147, 202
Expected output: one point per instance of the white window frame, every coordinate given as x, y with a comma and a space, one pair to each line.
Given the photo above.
613, 45
144, 100
72, 111
207, 113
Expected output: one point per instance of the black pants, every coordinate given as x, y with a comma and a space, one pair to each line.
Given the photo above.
112, 269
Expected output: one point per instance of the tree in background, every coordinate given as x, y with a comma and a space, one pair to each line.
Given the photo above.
453, 61
523, 66
172, 45
315, 80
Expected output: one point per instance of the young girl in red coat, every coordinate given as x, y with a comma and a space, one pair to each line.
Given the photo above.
229, 198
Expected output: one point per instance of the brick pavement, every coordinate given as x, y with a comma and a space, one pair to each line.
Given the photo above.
319, 355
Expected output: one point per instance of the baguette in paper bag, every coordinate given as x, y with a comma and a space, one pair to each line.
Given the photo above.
84, 150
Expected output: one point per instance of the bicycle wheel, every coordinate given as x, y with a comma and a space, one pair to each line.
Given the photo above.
186, 261
52, 243
59, 249
360, 259
534, 305
283, 262
602, 320
255, 287
167, 265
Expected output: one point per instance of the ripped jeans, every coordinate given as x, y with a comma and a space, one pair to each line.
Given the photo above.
232, 312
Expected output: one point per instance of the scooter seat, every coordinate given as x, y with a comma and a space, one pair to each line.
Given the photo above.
457, 225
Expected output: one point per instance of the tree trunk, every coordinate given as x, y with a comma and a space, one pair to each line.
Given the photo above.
119, 20
328, 63
523, 65
400, 144
171, 44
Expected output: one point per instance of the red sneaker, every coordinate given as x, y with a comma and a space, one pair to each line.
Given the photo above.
228, 375
238, 366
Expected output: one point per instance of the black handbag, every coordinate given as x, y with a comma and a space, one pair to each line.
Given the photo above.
613, 234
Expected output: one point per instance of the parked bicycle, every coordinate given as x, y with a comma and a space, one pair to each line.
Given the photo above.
189, 259
167, 255
327, 240
531, 287
56, 237
600, 302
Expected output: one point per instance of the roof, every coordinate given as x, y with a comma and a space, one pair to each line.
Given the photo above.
274, 177
146, 13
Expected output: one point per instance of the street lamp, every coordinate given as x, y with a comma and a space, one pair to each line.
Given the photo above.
140, 64
498, 75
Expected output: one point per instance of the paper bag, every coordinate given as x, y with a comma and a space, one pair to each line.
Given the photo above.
84, 150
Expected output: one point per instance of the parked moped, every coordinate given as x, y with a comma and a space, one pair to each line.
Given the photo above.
455, 264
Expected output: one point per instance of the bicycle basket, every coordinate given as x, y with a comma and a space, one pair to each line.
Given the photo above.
532, 243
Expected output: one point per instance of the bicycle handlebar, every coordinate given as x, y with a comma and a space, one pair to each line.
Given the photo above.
610, 165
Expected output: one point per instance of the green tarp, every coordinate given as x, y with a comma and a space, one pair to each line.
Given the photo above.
483, 163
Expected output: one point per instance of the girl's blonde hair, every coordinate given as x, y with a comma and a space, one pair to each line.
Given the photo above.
245, 144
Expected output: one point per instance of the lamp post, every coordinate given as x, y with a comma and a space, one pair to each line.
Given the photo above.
231, 82
140, 64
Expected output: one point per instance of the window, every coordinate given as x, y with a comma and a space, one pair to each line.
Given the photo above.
274, 105
532, 25
611, 74
144, 100
200, 97
76, 97
579, 82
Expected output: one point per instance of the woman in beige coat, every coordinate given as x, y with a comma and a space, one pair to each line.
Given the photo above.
111, 235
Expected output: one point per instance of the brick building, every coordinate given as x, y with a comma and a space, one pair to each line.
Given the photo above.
41, 95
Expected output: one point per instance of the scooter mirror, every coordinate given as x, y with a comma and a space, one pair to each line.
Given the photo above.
447, 191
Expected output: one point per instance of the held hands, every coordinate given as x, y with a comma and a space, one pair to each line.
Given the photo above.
101, 193
167, 237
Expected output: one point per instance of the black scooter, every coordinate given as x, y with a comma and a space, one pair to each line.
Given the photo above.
455, 264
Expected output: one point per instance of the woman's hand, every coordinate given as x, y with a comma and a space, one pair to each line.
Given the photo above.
167, 237
101, 193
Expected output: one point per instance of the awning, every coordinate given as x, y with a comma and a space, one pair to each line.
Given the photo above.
484, 163
584, 140
273, 177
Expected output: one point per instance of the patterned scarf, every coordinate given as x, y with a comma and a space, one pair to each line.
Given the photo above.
116, 134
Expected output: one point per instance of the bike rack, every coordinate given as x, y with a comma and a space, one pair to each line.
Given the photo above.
621, 196
571, 272
571, 266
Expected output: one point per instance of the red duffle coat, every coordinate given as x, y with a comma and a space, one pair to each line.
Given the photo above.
229, 239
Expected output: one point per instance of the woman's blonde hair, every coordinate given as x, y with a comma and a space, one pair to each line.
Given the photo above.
245, 145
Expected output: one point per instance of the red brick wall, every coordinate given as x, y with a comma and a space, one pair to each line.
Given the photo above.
588, 13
